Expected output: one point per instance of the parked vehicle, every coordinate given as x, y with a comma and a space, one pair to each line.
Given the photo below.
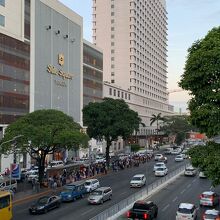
212, 214
73, 191
100, 195
176, 151
209, 198
168, 151
91, 185
161, 171
143, 210
190, 171
179, 158
186, 211
7, 184
138, 180
159, 164
44, 204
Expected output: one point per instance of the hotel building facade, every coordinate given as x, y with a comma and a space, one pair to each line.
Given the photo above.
133, 37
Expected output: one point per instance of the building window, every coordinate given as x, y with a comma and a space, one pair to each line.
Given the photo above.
110, 91
114, 92
2, 20
113, 81
2, 2
112, 13
122, 95
118, 93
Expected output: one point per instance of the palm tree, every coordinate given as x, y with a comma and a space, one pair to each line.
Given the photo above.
156, 118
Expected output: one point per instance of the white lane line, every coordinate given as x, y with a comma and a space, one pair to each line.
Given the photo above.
194, 181
175, 199
164, 208
182, 191
123, 193
84, 213
189, 185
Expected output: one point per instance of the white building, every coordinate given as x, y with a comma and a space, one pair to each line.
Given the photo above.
133, 37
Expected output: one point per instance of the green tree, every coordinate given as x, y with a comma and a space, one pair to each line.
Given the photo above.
43, 132
110, 119
177, 125
201, 78
156, 118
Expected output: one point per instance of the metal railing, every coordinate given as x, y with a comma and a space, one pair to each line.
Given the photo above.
125, 204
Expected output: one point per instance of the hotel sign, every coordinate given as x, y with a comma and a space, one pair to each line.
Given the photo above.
53, 70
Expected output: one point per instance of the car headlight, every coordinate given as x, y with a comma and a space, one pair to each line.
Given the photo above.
40, 207
69, 196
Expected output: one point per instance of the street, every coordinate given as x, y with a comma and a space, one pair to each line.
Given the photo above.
184, 189
80, 209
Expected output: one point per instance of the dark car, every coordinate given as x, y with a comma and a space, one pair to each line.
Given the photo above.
44, 204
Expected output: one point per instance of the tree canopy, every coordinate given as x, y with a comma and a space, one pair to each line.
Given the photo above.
201, 78
43, 132
156, 118
110, 119
177, 125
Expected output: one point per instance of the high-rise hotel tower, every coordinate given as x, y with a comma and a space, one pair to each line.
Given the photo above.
133, 37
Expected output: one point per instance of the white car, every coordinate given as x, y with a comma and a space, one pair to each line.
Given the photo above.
56, 163
158, 157
179, 158
202, 175
161, 171
33, 176
186, 211
159, 165
91, 185
190, 171
138, 180
211, 214
176, 151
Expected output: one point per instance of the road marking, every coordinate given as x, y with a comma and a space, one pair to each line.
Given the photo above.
84, 213
189, 185
182, 191
175, 199
194, 181
123, 193
165, 207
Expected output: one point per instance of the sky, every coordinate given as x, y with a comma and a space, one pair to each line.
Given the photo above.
188, 21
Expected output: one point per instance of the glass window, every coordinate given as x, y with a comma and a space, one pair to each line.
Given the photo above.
2, 20
2, 2
4, 202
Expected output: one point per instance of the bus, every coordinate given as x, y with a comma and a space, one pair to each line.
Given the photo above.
5, 205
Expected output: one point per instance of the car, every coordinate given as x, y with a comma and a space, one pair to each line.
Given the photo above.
176, 151
91, 185
179, 158
159, 164
190, 171
138, 180
168, 150
44, 204
163, 159
100, 195
202, 175
7, 184
73, 191
211, 214
209, 198
33, 175
161, 171
186, 211
185, 156
158, 156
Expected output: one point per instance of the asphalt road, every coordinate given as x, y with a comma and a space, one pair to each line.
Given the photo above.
80, 209
184, 189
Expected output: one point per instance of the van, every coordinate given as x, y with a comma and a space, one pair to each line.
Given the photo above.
100, 195
6, 184
5, 206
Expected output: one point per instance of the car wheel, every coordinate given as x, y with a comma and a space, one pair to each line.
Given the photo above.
45, 211
110, 197
14, 190
155, 215
74, 199
101, 201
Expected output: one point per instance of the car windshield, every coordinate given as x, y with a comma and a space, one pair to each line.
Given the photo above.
42, 201
158, 165
160, 169
211, 216
136, 178
87, 183
206, 196
96, 193
67, 190
185, 210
